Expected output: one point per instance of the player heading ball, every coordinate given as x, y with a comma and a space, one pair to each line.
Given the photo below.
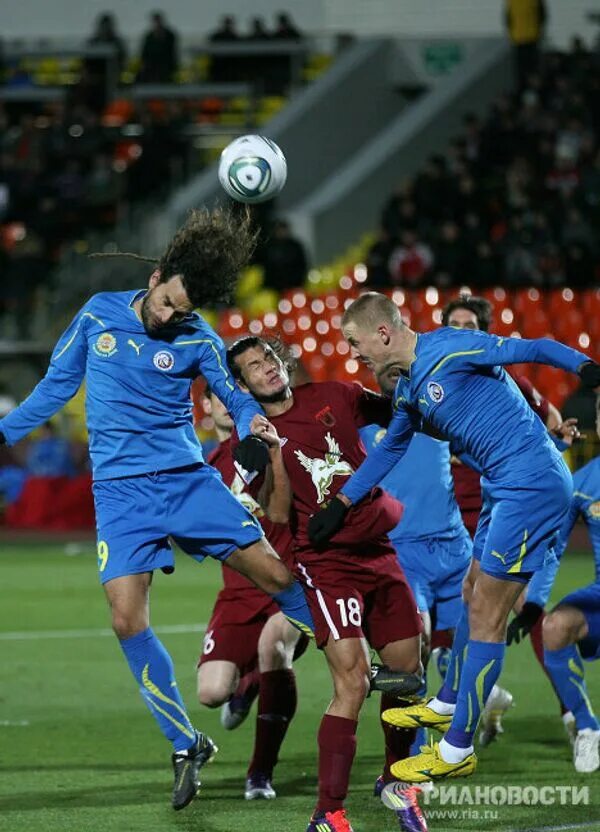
139, 352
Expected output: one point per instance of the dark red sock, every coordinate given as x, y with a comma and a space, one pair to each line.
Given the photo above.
277, 700
537, 642
442, 638
337, 747
397, 740
248, 684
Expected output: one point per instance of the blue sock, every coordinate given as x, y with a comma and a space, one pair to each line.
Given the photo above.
566, 671
421, 735
152, 667
442, 660
419, 740
481, 670
449, 690
292, 603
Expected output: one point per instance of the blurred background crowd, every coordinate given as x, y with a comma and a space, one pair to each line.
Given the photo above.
94, 134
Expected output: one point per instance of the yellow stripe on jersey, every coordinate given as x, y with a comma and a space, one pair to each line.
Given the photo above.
441, 363
216, 352
74, 335
516, 567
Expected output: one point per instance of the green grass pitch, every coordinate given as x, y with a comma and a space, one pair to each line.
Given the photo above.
80, 753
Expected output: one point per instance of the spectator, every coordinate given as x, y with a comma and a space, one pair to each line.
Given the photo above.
378, 259
411, 261
450, 255
226, 68
226, 32
284, 258
285, 29
159, 58
525, 21
105, 32
258, 30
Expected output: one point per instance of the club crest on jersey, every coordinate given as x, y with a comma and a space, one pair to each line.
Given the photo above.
164, 360
326, 417
594, 510
435, 392
106, 345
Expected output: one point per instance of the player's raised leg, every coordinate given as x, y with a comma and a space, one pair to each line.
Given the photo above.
437, 712
571, 630
259, 563
153, 670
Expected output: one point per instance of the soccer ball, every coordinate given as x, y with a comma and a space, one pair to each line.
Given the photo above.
252, 169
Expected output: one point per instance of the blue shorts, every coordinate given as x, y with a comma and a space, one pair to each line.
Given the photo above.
518, 526
435, 569
587, 600
136, 516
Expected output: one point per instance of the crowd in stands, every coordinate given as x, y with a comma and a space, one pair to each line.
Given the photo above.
515, 201
78, 164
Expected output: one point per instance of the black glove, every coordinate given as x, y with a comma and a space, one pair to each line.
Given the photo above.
325, 523
589, 373
523, 623
2, 438
252, 454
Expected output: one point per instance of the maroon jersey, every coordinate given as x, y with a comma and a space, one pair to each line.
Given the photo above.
538, 403
321, 448
278, 534
467, 484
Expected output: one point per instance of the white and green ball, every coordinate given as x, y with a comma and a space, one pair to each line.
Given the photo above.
252, 169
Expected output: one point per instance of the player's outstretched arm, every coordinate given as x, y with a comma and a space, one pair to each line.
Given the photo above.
380, 461
62, 380
213, 366
492, 350
382, 458
251, 452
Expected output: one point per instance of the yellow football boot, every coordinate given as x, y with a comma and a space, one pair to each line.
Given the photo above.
417, 716
429, 765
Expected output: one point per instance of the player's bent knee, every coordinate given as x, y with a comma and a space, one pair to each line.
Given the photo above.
352, 687
560, 628
486, 621
126, 626
212, 694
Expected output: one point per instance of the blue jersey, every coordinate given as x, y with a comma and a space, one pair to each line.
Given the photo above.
456, 383
585, 502
422, 481
138, 402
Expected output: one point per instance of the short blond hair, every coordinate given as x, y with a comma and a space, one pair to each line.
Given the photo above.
371, 309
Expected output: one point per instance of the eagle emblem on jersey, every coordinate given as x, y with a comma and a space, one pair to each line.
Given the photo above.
106, 345
322, 471
247, 500
594, 510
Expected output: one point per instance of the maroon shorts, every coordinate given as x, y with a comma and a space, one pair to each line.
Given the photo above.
355, 596
234, 629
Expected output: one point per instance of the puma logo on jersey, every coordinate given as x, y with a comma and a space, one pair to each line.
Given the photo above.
136, 347
322, 471
501, 558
